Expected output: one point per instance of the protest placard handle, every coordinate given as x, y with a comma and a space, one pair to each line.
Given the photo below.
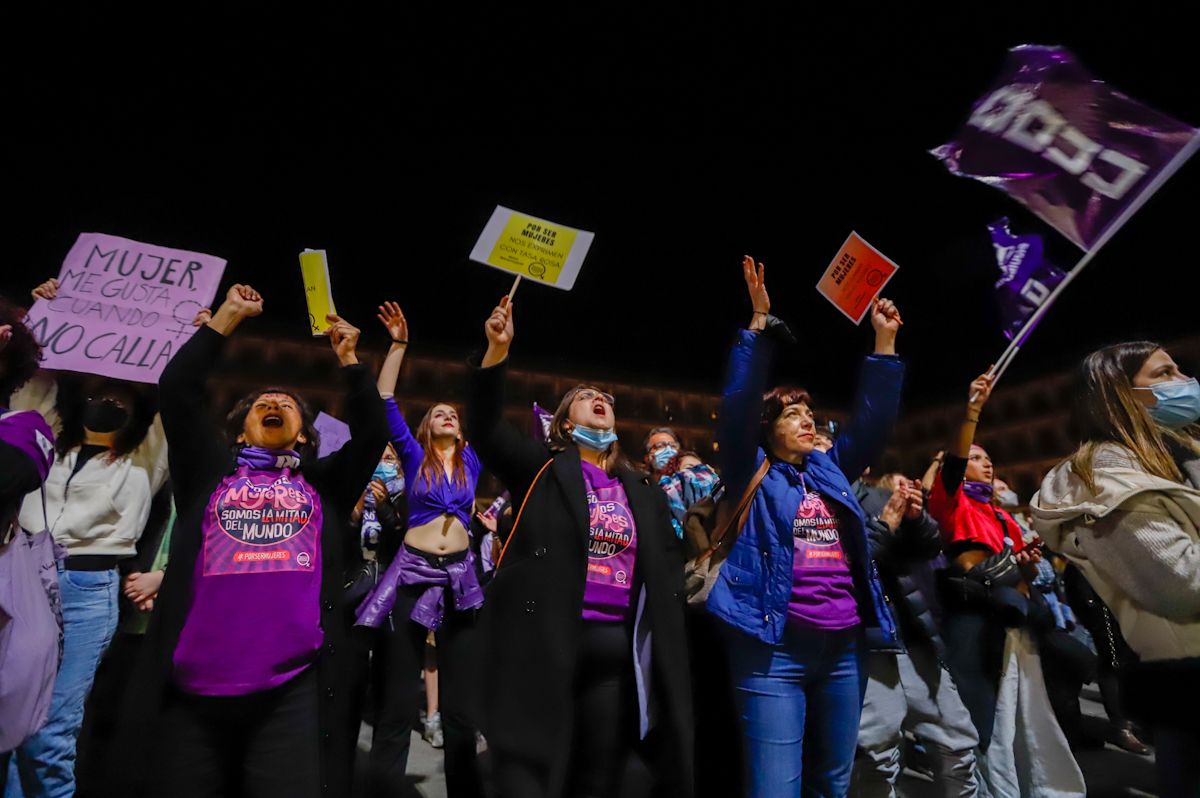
513, 290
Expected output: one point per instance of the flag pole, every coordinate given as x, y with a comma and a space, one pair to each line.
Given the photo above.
1133, 207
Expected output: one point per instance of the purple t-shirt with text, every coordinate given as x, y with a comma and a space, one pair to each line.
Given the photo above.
612, 548
822, 587
255, 616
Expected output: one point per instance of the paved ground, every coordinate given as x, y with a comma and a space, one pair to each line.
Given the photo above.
1110, 772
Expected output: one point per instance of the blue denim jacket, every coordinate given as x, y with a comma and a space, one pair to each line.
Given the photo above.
752, 591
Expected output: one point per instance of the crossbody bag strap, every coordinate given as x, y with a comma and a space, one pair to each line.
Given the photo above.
738, 516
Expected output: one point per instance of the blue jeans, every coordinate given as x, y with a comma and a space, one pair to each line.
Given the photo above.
811, 685
44, 765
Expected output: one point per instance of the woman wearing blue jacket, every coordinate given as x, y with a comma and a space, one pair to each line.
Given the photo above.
799, 584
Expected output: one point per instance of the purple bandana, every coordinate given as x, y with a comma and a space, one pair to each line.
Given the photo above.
979, 491
260, 459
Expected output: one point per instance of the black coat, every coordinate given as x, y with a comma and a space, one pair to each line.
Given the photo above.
532, 618
896, 554
199, 459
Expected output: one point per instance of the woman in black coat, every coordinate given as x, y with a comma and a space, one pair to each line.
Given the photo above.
241, 689
583, 627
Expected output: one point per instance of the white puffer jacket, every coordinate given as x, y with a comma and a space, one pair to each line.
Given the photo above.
1136, 538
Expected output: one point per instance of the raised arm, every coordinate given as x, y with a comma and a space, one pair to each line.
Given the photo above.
512, 456
878, 400
194, 443
746, 378
151, 454
392, 319
40, 394
931, 473
349, 468
955, 466
407, 447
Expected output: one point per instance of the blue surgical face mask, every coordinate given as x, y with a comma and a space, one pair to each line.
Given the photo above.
1178, 402
1009, 498
595, 439
385, 472
663, 456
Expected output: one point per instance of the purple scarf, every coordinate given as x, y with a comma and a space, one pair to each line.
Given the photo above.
979, 491
261, 459
457, 579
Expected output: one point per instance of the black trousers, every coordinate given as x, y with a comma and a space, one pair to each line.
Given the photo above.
974, 652
718, 747
94, 756
605, 758
1067, 665
396, 670
262, 745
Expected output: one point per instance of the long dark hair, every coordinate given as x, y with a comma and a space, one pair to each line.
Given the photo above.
235, 422
560, 437
20, 357
1106, 410
73, 393
431, 464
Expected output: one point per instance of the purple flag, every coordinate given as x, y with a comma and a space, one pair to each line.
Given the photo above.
1026, 277
541, 423
1079, 154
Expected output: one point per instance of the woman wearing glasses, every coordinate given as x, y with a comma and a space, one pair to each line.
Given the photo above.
584, 626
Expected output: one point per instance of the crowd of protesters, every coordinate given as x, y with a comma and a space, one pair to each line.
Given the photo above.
778, 623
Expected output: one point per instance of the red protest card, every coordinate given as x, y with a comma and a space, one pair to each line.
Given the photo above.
855, 277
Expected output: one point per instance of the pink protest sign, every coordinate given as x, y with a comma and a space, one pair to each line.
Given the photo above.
123, 307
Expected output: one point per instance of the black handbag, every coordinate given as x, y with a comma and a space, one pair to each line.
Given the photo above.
992, 583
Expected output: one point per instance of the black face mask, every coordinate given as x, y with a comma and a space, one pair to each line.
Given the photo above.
104, 415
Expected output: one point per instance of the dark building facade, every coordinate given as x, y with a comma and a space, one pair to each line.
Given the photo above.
1025, 426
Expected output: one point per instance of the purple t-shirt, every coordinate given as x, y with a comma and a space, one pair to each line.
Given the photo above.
612, 548
822, 587
255, 616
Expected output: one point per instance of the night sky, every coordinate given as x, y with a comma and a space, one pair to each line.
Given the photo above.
682, 138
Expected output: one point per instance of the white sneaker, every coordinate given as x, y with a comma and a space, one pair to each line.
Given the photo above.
433, 731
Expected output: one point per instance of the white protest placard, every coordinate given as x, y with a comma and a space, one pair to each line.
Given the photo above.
533, 248
123, 307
